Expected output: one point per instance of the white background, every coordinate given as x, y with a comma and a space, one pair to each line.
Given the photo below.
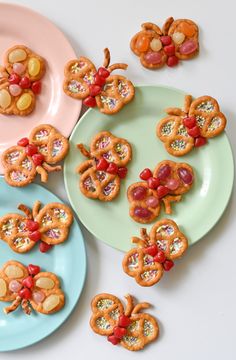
195, 303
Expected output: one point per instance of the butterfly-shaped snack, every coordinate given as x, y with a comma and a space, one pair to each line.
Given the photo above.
155, 252
30, 288
20, 80
98, 87
177, 40
106, 166
165, 185
129, 328
49, 226
45, 147
184, 129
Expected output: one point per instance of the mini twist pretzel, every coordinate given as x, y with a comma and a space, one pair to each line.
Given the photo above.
22, 162
98, 88
178, 40
182, 130
132, 329
101, 174
171, 181
51, 225
20, 80
155, 252
30, 288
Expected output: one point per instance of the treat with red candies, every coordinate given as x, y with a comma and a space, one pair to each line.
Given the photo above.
164, 185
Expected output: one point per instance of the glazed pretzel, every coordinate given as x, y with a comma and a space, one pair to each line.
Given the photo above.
99, 184
141, 262
109, 93
19, 80
177, 137
52, 222
174, 195
30, 288
135, 330
178, 40
20, 169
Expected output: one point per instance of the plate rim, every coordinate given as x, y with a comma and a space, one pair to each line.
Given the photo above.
84, 275
66, 165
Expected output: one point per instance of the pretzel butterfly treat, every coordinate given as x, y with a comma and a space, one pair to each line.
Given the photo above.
30, 288
165, 185
182, 130
155, 252
98, 87
129, 328
106, 166
44, 147
177, 40
49, 226
20, 80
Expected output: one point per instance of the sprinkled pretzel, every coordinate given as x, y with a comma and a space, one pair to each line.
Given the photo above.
182, 130
20, 80
165, 185
155, 252
30, 288
98, 87
128, 327
50, 226
101, 174
177, 40
33, 155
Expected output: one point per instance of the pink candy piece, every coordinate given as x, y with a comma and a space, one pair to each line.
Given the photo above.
153, 57
172, 184
185, 176
15, 90
188, 47
14, 286
152, 201
38, 296
142, 212
18, 68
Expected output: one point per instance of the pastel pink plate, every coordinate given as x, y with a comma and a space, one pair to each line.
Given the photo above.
20, 25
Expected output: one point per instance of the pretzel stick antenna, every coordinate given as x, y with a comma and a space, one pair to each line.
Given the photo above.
13, 306
167, 25
151, 26
84, 151
107, 58
36, 208
25, 210
117, 66
26, 307
187, 103
43, 173
141, 243
140, 306
129, 305
167, 202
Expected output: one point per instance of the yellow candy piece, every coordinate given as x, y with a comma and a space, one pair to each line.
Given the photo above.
14, 272
178, 37
3, 287
156, 44
17, 55
5, 99
51, 302
33, 66
45, 283
24, 102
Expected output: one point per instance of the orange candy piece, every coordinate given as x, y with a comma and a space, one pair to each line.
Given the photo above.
142, 43
186, 29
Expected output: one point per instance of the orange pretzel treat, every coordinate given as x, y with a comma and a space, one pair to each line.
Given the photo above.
177, 40
50, 226
44, 147
101, 174
20, 80
98, 87
166, 184
182, 130
129, 328
30, 288
155, 252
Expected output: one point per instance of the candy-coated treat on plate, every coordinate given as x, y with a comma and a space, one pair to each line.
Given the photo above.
49, 226
98, 87
20, 80
45, 147
177, 40
128, 327
30, 288
155, 252
101, 174
184, 129
165, 185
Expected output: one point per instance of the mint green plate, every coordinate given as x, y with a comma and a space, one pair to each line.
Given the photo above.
67, 260
200, 208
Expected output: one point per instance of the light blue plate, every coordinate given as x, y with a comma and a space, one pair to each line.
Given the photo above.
67, 260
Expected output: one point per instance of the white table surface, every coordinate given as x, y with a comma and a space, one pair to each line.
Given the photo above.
195, 303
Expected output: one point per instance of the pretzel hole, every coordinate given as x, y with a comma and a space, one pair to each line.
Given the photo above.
57, 147
13, 157
75, 86
21, 242
133, 262
114, 314
182, 131
104, 304
162, 244
109, 188
149, 275
109, 102
165, 230
17, 176
102, 323
43, 149
89, 185
215, 123
7, 227
130, 340
101, 176
26, 164
206, 106
123, 89
167, 128
21, 226
89, 77
108, 156
41, 135
148, 260
46, 220
103, 142
176, 246
121, 150
148, 328
200, 121
53, 233
133, 326
178, 145
60, 214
